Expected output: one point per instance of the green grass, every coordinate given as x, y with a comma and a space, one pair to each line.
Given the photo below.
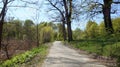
25, 57
101, 47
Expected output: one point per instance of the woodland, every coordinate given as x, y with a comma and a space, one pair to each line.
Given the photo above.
21, 40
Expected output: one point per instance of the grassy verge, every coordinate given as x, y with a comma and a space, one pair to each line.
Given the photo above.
106, 48
100, 47
18, 60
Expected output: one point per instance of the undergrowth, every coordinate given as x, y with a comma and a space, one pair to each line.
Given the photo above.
25, 57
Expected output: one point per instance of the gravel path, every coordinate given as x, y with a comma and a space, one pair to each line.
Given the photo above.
62, 56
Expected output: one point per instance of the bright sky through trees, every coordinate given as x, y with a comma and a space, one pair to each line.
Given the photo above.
30, 13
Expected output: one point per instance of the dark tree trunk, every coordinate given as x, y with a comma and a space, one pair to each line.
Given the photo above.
1, 27
68, 15
107, 17
2, 15
64, 31
69, 32
69, 21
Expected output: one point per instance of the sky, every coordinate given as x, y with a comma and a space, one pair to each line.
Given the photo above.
24, 13
31, 13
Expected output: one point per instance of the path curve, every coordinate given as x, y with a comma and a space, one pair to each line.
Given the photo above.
62, 56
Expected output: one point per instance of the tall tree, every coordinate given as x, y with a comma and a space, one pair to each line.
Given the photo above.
68, 15
28, 28
46, 31
65, 8
77, 34
2, 16
91, 29
104, 7
61, 12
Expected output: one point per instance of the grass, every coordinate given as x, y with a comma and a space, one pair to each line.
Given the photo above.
108, 48
20, 59
100, 47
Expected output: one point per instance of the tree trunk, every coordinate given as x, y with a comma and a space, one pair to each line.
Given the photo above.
6, 50
2, 16
64, 31
69, 21
37, 36
1, 27
69, 32
107, 17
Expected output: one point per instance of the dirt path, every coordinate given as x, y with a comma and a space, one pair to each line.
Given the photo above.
62, 56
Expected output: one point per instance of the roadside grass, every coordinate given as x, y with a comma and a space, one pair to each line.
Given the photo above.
26, 57
100, 47
106, 48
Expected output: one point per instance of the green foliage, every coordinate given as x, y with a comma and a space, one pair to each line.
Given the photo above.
101, 31
91, 29
116, 25
28, 23
29, 29
60, 32
13, 29
77, 34
47, 32
106, 48
95, 39
25, 57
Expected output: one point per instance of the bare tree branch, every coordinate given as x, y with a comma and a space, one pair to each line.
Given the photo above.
23, 6
54, 5
30, 2
116, 2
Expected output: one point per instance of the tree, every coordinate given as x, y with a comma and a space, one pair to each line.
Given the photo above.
68, 15
106, 9
4, 8
13, 29
18, 29
92, 29
102, 31
77, 33
65, 8
116, 25
60, 32
61, 12
46, 32
97, 7
2, 16
27, 27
